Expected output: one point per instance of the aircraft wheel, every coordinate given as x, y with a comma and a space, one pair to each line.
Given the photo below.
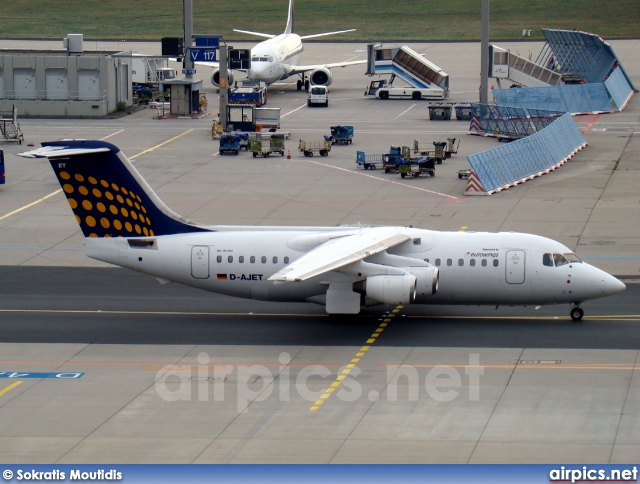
299, 85
306, 85
576, 313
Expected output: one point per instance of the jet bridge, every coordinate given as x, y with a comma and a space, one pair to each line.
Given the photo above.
408, 65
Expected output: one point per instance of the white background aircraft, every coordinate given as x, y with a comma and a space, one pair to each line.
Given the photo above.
277, 58
126, 224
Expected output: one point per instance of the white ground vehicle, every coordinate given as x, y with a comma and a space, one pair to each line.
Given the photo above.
318, 95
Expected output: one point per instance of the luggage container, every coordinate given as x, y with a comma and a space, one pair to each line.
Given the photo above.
340, 135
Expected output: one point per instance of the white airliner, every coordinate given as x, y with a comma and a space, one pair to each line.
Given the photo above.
277, 58
126, 224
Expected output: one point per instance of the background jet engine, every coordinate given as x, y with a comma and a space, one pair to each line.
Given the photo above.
321, 77
215, 78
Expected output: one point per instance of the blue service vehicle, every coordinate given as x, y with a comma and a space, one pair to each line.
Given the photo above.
229, 143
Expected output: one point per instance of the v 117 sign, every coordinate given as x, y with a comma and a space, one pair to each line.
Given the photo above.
203, 54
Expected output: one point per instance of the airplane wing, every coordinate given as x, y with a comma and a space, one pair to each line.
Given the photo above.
301, 69
340, 252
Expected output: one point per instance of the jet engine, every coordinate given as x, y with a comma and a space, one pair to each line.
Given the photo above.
321, 77
215, 78
391, 289
401, 288
426, 279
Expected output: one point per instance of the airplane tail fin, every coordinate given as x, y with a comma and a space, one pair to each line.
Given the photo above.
289, 28
107, 194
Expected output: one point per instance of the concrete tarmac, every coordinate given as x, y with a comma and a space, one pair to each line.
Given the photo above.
255, 403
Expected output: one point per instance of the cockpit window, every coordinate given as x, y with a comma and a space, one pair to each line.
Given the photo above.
547, 260
571, 257
264, 58
559, 260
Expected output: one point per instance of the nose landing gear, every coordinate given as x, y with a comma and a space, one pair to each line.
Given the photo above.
576, 313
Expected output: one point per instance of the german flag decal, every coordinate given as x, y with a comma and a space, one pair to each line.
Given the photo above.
222, 277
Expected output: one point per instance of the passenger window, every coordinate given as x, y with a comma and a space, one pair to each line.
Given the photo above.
546, 260
495, 262
426, 260
559, 260
472, 262
252, 259
484, 262
275, 259
286, 259
219, 258
263, 259
438, 262
460, 262
230, 259
449, 262
241, 259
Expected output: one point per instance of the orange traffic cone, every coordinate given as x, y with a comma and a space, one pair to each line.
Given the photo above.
288, 154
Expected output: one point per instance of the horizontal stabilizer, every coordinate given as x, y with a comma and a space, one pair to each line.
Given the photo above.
303, 37
258, 34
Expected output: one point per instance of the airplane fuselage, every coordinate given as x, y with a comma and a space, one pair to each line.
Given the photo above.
272, 59
475, 268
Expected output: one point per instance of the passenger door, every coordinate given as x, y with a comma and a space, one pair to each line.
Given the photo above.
515, 266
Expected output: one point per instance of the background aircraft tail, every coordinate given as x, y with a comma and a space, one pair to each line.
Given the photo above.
107, 194
289, 27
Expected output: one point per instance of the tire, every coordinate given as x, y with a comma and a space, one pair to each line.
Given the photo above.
306, 85
416, 175
282, 153
309, 103
416, 95
460, 176
255, 154
439, 162
299, 85
373, 167
384, 95
402, 175
432, 173
576, 313
326, 105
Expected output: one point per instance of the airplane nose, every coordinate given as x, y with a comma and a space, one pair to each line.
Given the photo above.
614, 286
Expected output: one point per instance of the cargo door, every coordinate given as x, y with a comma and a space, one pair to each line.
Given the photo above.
24, 83
200, 262
515, 263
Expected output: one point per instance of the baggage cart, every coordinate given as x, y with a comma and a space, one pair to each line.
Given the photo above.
416, 167
309, 148
340, 135
265, 144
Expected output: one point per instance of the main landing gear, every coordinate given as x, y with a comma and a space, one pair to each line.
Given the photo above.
302, 82
576, 313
